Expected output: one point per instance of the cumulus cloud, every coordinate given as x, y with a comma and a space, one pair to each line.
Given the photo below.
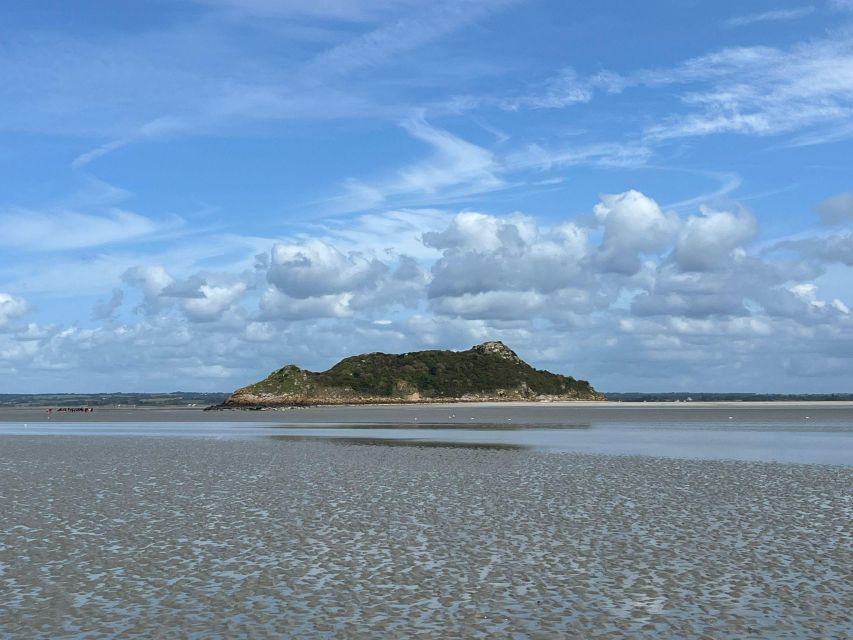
275, 305
487, 260
315, 268
196, 297
837, 209
153, 279
836, 248
494, 305
11, 308
190, 287
633, 225
741, 286
480, 232
213, 301
627, 292
706, 242
104, 309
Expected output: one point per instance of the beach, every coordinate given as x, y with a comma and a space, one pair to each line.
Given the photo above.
264, 538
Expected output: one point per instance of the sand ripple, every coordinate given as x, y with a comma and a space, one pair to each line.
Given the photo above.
167, 538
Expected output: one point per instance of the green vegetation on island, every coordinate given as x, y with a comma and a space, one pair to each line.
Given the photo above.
487, 372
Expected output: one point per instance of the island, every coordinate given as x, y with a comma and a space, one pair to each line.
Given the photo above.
488, 372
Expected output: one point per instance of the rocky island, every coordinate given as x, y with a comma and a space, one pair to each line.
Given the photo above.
488, 372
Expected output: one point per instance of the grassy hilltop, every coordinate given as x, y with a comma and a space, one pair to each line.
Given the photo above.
487, 372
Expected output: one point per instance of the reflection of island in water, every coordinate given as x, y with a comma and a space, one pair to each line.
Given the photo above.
395, 442
489, 372
427, 426
433, 435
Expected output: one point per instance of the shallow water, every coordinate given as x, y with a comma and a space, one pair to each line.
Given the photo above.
774, 437
163, 537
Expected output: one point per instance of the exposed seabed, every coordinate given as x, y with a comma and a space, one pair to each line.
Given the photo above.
200, 538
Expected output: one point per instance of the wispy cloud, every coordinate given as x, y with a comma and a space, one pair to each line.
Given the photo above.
775, 15
361, 11
68, 230
192, 79
601, 154
562, 90
761, 90
804, 91
150, 130
399, 36
456, 168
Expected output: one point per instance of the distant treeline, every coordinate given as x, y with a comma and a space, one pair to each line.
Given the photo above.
727, 397
177, 398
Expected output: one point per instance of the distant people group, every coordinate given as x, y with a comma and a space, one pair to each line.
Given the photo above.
73, 410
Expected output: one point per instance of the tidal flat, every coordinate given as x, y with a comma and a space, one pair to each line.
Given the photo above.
261, 538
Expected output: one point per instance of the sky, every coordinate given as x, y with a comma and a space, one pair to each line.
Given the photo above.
649, 195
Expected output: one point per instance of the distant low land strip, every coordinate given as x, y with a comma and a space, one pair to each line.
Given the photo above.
481, 413
204, 400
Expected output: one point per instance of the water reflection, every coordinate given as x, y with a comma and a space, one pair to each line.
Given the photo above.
397, 442
828, 443
713, 443
480, 426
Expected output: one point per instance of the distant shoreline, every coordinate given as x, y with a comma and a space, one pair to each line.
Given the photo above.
192, 400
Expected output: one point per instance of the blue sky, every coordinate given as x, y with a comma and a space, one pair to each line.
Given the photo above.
653, 196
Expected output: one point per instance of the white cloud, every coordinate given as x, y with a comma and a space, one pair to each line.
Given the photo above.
216, 371
549, 290
805, 90
606, 154
11, 308
214, 301
151, 130
401, 35
455, 169
356, 11
760, 90
398, 231
456, 162
562, 90
313, 268
67, 230
275, 305
105, 309
483, 254
706, 242
493, 305
470, 230
742, 327
837, 248
774, 15
837, 209
152, 278
633, 224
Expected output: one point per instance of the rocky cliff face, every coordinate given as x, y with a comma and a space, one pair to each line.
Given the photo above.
487, 372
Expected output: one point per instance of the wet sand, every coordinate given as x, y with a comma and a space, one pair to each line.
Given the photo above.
200, 538
561, 413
